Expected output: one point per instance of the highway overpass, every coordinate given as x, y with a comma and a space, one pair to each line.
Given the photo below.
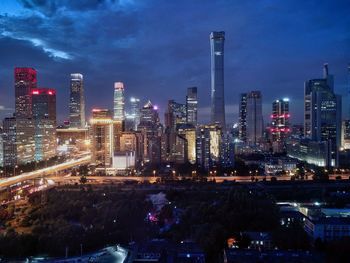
43, 172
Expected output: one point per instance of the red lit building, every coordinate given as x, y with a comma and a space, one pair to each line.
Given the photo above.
25, 81
280, 125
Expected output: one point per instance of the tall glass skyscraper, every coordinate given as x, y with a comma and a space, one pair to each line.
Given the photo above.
191, 105
135, 111
322, 114
77, 101
217, 40
119, 101
254, 117
44, 115
25, 82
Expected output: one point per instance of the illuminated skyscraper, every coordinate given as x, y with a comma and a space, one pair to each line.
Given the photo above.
322, 117
254, 117
280, 126
25, 82
191, 105
77, 101
175, 115
217, 40
149, 127
44, 116
135, 111
208, 144
102, 138
242, 132
119, 102
9, 142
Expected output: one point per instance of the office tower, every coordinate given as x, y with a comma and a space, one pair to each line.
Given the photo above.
150, 129
135, 111
322, 114
191, 105
217, 40
102, 138
175, 115
132, 142
119, 102
254, 117
346, 135
189, 133
227, 151
208, 143
77, 101
280, 126
44, 116
25, 82
9, 142
242, 122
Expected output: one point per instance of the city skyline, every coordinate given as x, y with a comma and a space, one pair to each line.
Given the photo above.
278, 73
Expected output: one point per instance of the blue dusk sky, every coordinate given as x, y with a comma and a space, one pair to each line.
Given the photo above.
158, 48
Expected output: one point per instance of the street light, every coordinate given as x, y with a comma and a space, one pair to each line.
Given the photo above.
14, 170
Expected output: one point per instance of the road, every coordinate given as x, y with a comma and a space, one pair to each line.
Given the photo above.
152, 179
43, 172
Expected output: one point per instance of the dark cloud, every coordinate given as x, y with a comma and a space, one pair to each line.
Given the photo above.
158, 48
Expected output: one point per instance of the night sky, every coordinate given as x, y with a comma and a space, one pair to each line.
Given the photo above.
159, 48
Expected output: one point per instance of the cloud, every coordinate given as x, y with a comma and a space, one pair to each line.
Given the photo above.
159, 48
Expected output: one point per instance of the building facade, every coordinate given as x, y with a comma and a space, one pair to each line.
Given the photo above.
217, 40
102, 138
322, 114
280, 125
191, 106
242, 124
119, 102
77, 101
254, 117
44, 116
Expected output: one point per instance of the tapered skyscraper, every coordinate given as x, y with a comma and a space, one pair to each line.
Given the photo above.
119, 101
217, 40
77, 101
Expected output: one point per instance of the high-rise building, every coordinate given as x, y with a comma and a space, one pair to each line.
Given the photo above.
135, 111
150, 129
25, 82
102, 138
175, 115
119, 101
254, 117
208, 145
346, 135
217, 40
191, 105
322, 114
280, 126
44, 116
9, 142
189, 133
227, 151
77, 101
242, 123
